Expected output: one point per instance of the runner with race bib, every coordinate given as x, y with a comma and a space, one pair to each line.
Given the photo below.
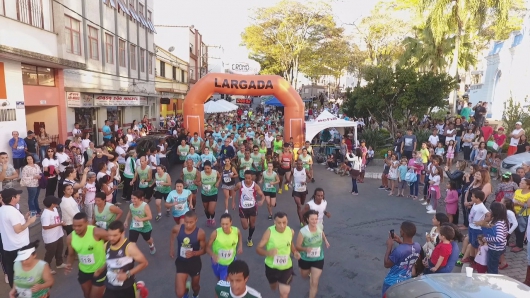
236, 285
179, 201
286, 164
162, 189
228, 182
300, 176
223, 245
140, 215
248, 206
270, 179
209, 180
105, 212
189, 176
32, 277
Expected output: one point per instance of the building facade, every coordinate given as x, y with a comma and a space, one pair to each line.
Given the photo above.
115, 40
171, 81
503, 73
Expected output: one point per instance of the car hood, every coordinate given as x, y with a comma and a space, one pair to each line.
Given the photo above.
457, 285
517, 158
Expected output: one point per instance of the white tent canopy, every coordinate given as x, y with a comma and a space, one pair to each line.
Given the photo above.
216, 107
326, 120
227, 103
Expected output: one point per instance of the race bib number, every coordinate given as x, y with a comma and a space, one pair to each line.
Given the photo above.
137, 224
280, 260
227, 179
101, 224
23, 293
299, 187
143, 184
87, 259
256, 164
268, 185
179, 206
286, 164
314, 253
184, 250
183, 153
225, 254
189, 182
158, 183
247, 168
248, 204
207, 187
113, 278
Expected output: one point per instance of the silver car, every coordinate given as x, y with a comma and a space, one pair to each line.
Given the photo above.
511, 163
457, 285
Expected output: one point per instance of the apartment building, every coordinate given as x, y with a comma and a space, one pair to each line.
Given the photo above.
171, 81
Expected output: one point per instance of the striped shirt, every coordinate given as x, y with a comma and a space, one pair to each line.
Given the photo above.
496, 236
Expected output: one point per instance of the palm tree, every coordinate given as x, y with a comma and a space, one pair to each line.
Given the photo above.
453, 16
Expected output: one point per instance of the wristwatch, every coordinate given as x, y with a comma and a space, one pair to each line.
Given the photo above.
128, 273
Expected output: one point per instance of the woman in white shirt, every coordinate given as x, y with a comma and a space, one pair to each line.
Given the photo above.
89, 192
69, 208
29, 177
50, 168
52, 232
85, 143
355, 168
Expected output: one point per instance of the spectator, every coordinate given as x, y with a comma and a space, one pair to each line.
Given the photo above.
466, 111
500, 138
52, 232
106, 131
397, 144
13, 228
495, 229
402, 259
409, 144
523, 145
515, 136
50, 166
31, 146
521, 199
487, 130
44, 141
30, 175
18, 147
7, 172
76, 132
459, 132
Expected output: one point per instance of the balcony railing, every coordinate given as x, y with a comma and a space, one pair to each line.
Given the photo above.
30, 12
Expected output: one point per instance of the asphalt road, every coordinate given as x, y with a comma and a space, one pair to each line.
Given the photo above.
357, 231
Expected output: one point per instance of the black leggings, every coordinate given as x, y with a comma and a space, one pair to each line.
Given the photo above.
467, 152
51, 187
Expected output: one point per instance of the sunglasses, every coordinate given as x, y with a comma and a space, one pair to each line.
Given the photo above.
50, 150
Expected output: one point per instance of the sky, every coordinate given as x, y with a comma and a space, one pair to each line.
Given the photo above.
222, 22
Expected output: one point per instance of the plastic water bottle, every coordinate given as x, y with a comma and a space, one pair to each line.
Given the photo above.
143, 292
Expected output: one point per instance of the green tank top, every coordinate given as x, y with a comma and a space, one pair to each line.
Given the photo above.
189, 178
143, 175
282, 242
162, 188
225, 245
245, 165
240, 154
24, 280
263, 151
196, 144
305, 160
183, 151
140, 226
256, 161
267, 180
91, 253
208, 183
208, 144
104, 218
278, 146
314, 241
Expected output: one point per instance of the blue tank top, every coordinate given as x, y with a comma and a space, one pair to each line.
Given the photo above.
187, 242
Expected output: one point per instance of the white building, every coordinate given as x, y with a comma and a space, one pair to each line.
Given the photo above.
504, 72
115, 40
171, 81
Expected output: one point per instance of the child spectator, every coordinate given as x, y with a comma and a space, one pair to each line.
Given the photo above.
450, 153
451, 200
442, 251
500, 138
370, 155
440, 150
481, 260
402, 171
506, 188
513, 224
480, 157
495, 231
393, 175
477, 214
435, 177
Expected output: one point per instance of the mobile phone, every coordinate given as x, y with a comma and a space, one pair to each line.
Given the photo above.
32, 213
392, 234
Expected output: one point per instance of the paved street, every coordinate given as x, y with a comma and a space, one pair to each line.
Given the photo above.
356, 231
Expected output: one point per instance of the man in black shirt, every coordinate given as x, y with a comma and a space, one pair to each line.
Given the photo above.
31, 146
397, 145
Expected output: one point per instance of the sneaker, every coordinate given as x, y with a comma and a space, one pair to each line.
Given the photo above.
331, 170
431, 212
167, 213
270, 217
226, 210
421, 200
6, 279
424, 203
208, 223
280, 191
52, 272
301, 225
158, 217
382, 187
152, 250
212, 222
466, 260
388, 189
355, 193
461, 255
429, 208
313, 180
117, 204
328, 169
249, 243
286, 187
459, 264
63, 265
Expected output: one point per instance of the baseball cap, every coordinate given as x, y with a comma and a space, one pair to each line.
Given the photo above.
23, 255
60, 146
518, 123
10, 192
500, 128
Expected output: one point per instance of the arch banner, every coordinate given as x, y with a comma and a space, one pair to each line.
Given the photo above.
250, 85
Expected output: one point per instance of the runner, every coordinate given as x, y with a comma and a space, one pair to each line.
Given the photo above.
286, 163
162, 189
105, 212
140, 216
182, 150
88, 242
209, 180
309, 243
196, 142
120, 265
257, 163
245, 164
229, 174
278, 145
319, 204
144, 177
247, 204
276, 246
32, 277
191, 246
270, 179
307, 161
222, 246
300, 175
196, 158
179, 200
236, 285
189, 175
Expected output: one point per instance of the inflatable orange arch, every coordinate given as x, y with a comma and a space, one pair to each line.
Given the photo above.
251, 85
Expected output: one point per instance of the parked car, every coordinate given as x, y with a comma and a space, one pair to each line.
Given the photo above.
511, 163
457, 285
150, 141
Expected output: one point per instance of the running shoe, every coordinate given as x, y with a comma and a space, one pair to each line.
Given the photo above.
355, 193
270, 217
208, 223
459, 264
212, 222
286, 187
63, 265
431, 212
249, 243
280, 191
52, 272
313, 180
461, 255
466, 260
382, 187
152, 250
6, 279
226, 210
301, 225
167, 213
117, 204
158, 217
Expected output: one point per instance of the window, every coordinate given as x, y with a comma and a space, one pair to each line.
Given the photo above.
191, 48
29, 12
149, 15
34, 75
131, 5
182, 76
93, 43
141, 9
142, 60
109, 48
73, 35
121, 48
150, 63
162, 69
132, 56
192, 75
174, 73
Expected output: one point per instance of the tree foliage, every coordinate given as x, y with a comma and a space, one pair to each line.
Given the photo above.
394, 94
514, 112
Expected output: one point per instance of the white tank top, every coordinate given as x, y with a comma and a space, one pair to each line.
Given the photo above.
514, 141
320, 208
160, 155
247, 198
300, 178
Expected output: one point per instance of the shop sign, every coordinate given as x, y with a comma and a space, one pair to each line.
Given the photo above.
119, 101
79, 100
245, 101
244, 67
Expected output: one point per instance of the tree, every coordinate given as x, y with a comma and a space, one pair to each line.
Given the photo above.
281, 34
514, 112
392, 95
